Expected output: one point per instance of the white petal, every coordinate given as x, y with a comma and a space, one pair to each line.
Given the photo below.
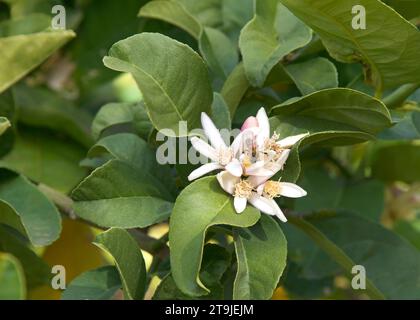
256, 181
283, 158
212, 132
278, 211
291, 190
238, 145
263, 124
239, 204
227, 181
204, 169
234, 167
204, 148
290, 141
258, 169
262, 204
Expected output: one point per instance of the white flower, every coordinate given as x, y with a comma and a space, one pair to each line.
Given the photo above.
260, 196
222, 156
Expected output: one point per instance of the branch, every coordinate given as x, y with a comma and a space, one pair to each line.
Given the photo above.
397, 98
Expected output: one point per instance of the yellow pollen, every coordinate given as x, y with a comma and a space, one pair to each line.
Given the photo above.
272, 189
246, 162
243, 189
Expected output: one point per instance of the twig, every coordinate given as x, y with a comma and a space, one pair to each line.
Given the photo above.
397, 98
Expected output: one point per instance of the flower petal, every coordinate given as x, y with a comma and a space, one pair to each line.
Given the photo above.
263, 124
240, 204
204, 169
262, 204
283, 158
212, 132
234, 168
258, 169
291, 190
290, 141
204, 148
250, 122
239, 143
227, 181
279, 212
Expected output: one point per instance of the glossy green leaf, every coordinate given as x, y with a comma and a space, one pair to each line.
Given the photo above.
261, 252
351, 240
22, 53
7, 112
235, 87
136, 152
38, 216
12, 279
332, 111
313, 75
205, 203
215, 262
272, 34
172, 12
128, 260
220, 112
117, 195
98, 284
118, 114
393, 63
36, 271
218, 51
179, 93
32, 23
406, 127
53, 161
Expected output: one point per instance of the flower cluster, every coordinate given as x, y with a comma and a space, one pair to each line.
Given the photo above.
249, 163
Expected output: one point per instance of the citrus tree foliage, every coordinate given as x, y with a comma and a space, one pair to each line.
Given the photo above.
80, 111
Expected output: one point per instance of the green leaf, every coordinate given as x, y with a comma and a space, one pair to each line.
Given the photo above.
396, 162
261, 252
12, 279
4, 125
36, 271
407, 127
114, 114
128, 260
117, 195
38, 216
351, 240
98, 284
332, 111
172, 12
53, 161
23, 53
396, 61
205, 203
216, 260
136, 152
331, 117
235, 87
273, 33
220, 112
39, 107
313, 75
179, 93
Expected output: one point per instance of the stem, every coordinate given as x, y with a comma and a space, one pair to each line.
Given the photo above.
397, 98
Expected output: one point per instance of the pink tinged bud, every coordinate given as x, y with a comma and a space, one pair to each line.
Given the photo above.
250, 122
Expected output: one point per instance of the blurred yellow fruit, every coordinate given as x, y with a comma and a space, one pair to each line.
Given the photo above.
73, 250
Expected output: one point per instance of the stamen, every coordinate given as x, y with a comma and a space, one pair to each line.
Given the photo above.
272, 189
243, 189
